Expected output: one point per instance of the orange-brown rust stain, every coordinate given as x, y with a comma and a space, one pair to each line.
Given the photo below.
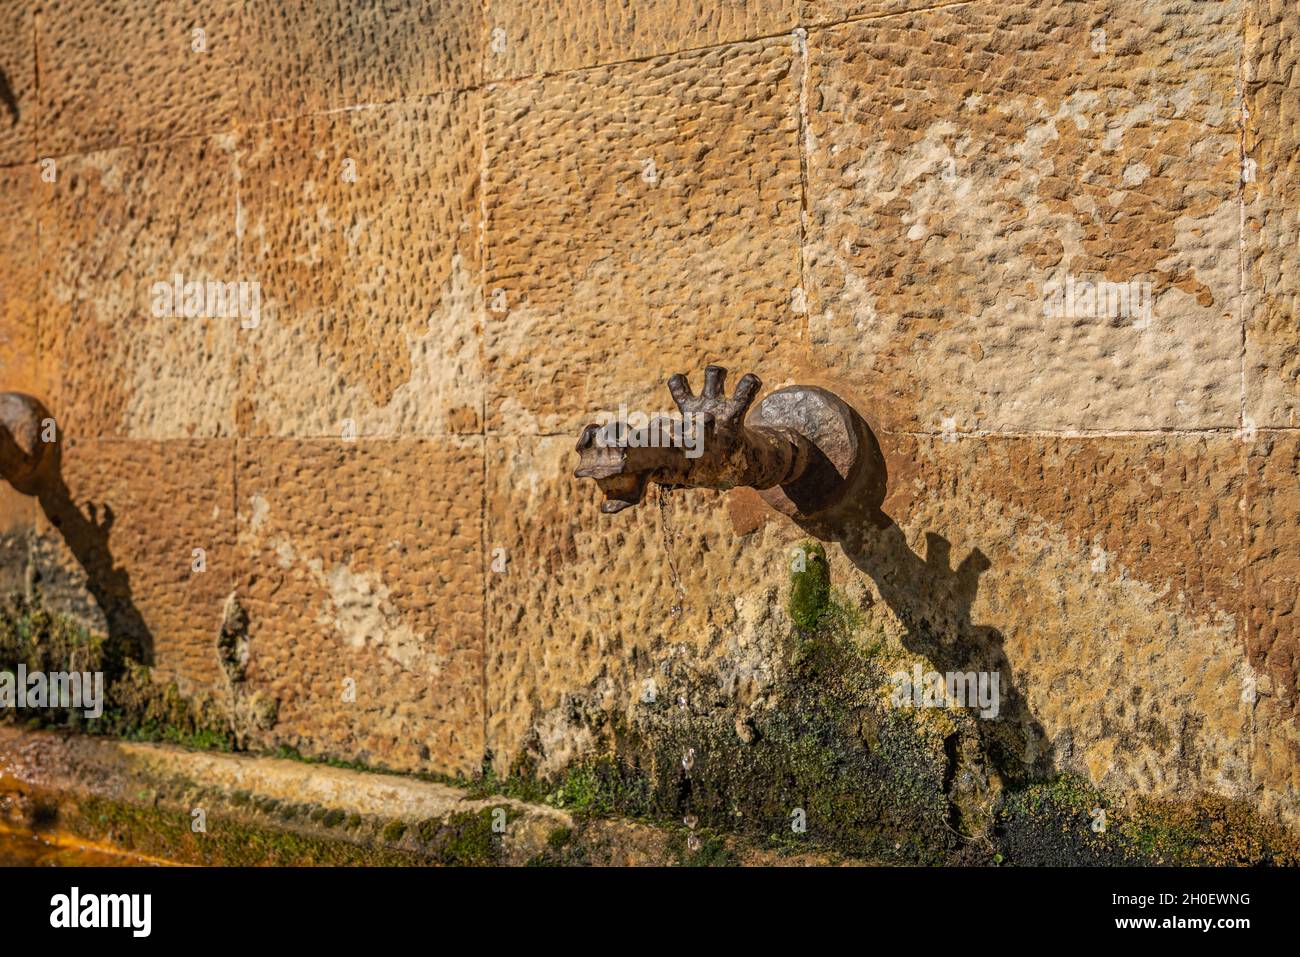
747, 511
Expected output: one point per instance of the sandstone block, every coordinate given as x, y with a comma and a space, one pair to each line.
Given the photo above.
362, 230
363, 580
642, 219
972, 170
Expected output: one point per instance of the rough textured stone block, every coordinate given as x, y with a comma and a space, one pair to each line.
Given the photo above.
114, 224
325, 54
134, 70
20, 368
967, 163
641, 220
583, 608
17, 82
1272, 175
1273, 563
1100, 577
1272, 600
363, 563
1275, 759
118, 534
525, 38
363, 228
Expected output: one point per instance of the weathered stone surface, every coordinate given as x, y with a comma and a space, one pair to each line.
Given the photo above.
1119, 634
134, 70
338, 53
114, 224
1273, 563
1166, 509
584, 608
362, 562
998, 562
526, 38
20, 369
963, 160
642, 219
17, 82
1272, 601
137, 538
362, 228
467, 244
17, 522
1275, 758
1272, 221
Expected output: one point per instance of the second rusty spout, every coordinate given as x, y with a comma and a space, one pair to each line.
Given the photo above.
24, 449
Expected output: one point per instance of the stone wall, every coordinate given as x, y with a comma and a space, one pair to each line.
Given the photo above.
472, 225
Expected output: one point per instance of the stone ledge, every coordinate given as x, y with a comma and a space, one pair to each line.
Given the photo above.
143, 797
94, 797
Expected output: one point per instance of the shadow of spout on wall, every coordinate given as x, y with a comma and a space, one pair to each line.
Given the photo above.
34, 467
933, 601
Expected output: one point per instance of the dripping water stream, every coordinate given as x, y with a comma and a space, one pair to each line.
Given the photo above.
667, 527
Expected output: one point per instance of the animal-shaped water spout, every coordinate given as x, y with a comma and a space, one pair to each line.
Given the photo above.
801, 447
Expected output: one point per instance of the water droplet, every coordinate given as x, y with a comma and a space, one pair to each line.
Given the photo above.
693, 842
690, 821
688, 759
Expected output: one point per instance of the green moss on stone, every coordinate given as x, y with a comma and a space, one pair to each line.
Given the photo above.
393, 831
226, 842
463, 839
1061, 823
136, 706
810, 585
333, 817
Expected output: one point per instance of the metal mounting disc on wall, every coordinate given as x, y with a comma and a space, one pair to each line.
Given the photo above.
834, 440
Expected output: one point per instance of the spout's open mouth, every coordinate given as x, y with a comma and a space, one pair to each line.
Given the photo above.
621, 482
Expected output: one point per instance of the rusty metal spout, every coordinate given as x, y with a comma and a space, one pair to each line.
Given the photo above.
797, 448
24, 451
